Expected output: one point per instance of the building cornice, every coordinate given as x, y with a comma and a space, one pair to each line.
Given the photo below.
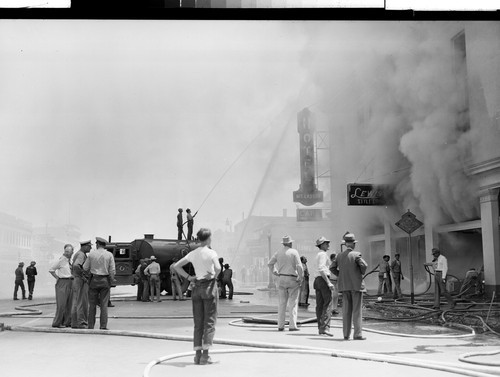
484, 167
487, 173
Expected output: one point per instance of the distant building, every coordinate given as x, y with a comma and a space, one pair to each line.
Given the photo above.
15, 239
257, 238
48, 242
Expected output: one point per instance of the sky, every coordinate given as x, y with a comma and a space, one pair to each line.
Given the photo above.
113, 125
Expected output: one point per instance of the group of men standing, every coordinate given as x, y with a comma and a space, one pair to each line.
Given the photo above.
342, 273
349, 268
82, 284
148, 280
384, 276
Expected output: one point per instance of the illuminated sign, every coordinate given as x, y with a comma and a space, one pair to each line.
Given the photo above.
365, 194
307, 194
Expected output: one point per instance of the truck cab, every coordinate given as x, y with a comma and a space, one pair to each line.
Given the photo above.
124, 262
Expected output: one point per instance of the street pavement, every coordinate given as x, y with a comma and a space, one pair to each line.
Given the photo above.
142, 333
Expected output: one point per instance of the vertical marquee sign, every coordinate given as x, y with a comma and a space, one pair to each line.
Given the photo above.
308, 193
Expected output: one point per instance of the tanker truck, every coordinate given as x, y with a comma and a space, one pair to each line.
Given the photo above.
128, 254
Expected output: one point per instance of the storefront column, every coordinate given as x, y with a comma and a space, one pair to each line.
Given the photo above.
491, 240
431, 240
389, 239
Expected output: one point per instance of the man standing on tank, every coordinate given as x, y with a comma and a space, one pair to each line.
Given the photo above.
179, 224
190, 223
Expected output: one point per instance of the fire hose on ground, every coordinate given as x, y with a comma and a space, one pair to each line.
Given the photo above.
277, 348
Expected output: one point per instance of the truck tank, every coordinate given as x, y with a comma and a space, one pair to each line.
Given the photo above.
127, 256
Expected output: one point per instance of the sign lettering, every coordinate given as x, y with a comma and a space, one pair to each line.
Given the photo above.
366, 194
307, 194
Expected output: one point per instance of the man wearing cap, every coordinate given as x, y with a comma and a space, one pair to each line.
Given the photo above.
440, 265
323, 287
101, 265
286, 265
30, 275
179, 224
19, 281
80, 287
350, 268
384, 280
61, 271
153, 272
397, 275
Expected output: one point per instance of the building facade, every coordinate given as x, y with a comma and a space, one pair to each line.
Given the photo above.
450, 182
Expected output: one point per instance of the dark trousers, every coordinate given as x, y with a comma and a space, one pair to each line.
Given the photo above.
64, 298
17, 284
145, 289
190, 231
304, 292
229, 284
384, 284
179, 233
352, 303
140, 288
323, 299
176, 289
440, 289
397, 285
31, 287
80, 306
204, 299
99, 293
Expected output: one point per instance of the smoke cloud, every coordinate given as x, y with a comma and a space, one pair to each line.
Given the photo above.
398, 116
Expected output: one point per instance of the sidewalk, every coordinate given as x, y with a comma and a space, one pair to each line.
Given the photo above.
156, 330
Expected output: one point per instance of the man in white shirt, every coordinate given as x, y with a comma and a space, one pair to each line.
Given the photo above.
323, 287
153, 271
440, 265
287, 266
205, 296
61, 271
